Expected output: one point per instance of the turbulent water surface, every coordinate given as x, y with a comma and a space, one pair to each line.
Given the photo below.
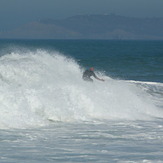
49, 114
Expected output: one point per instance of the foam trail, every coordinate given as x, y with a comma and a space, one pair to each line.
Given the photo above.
144, 82
39, 86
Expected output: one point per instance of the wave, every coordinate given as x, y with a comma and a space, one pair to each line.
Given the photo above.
39, 87
145, 82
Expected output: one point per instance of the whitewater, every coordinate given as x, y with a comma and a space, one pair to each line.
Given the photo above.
49, 114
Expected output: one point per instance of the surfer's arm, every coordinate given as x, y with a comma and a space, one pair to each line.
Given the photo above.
98, 77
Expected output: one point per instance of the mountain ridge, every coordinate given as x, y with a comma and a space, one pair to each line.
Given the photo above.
91, 27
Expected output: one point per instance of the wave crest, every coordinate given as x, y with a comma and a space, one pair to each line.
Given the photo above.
38, 87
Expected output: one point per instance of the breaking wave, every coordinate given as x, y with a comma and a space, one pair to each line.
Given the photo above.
39, 87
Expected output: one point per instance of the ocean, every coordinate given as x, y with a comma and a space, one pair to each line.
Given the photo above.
49, 114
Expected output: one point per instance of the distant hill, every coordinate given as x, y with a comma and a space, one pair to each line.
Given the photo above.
91, 27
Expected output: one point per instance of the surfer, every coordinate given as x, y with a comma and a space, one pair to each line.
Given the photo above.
88, 73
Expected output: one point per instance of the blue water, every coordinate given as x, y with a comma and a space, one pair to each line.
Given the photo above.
49, 114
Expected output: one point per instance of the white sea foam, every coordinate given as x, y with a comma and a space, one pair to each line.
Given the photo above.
38, 87
144, 82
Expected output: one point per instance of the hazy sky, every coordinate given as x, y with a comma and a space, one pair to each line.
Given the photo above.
17, 12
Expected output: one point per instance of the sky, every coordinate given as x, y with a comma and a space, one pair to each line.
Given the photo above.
14, 13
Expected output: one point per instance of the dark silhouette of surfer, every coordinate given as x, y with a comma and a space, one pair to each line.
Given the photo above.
88, 73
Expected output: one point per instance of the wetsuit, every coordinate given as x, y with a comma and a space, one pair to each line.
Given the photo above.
87, 75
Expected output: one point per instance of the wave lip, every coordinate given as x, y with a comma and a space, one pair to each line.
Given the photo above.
145, 82
38, 87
